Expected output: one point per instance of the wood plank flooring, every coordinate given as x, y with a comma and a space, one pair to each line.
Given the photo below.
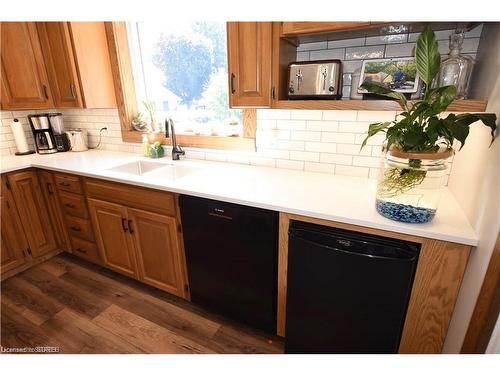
79, 307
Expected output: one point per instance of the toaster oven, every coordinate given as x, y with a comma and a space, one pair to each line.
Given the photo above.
315, 80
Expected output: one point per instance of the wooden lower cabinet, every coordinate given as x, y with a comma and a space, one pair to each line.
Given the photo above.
13, 244
111, 232
33, 212
49, 192
159, 258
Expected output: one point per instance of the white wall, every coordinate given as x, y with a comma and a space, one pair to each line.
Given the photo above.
474, 180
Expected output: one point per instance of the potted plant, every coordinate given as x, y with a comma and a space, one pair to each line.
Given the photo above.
151, 108
419, 141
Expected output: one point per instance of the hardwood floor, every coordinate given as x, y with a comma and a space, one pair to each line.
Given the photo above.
78, 307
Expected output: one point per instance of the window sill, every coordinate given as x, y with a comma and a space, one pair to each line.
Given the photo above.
196, 141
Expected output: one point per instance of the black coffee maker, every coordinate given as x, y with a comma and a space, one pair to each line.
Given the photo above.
42, 133
48, 132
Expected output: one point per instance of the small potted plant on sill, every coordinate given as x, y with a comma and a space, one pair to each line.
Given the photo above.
419, 141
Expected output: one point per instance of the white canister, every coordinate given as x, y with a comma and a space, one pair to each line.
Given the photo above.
19, 137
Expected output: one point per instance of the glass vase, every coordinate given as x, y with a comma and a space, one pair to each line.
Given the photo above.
409, 185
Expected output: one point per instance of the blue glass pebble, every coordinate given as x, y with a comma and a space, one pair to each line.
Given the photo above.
405, 213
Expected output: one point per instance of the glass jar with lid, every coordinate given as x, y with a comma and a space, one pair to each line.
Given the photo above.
457, 68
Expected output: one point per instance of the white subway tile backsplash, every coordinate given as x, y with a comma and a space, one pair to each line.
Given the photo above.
399, 50
305, 115
291, 124
273, 114
351, 66
327, 54
346, 43
321, 147
353, 149
304, 156
367, 52
366, 161
353, 127
303, 56
335, 159
312, 46
376, 116
299, 135
340, 115
337, 137
386, 39
324, 125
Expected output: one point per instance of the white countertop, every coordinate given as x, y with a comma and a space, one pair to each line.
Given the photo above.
338, 198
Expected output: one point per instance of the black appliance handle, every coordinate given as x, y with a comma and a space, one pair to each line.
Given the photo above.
372, 256
220, 216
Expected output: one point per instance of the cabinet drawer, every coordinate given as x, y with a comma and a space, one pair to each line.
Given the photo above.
85, 249
80, 228
161, 202
66, 182
74, 205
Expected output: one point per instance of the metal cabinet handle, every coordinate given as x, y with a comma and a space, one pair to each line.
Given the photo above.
124, 224
232, 83
76, 229
80, 250
69, 205
72, 90
130, 227
49, 188
45, 92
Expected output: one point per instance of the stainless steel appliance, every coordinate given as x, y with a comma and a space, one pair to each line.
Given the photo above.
60, 137
42, 133
347, 292
78, 139
315, 80
232, 254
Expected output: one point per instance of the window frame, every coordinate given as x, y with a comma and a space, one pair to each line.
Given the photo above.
126, 100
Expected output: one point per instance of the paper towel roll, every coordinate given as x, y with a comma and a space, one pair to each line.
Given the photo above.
19, 136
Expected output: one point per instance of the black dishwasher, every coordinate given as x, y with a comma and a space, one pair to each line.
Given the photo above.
231, 254
347, 292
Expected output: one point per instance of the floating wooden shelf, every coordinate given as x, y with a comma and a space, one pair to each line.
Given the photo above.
469, 105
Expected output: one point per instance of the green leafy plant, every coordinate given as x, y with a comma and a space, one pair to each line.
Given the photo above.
419, 127
151, 108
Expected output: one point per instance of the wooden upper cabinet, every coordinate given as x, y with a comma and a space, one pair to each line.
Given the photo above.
111, 232
78, 63
33, 212
303, 28
249, 61
57, 49
24, 81
13, 243
158, 252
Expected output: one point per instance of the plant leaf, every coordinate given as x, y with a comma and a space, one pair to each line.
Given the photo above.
441, 98
374, 129
488, 119
427, 56
381, 90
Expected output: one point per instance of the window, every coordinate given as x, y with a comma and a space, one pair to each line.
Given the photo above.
180, 70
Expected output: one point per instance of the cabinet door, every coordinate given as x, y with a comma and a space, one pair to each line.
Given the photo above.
302, 28
13, 243
24, 77
50, 194
111, 232
61, 66
249, 54
158, 252
33, 212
